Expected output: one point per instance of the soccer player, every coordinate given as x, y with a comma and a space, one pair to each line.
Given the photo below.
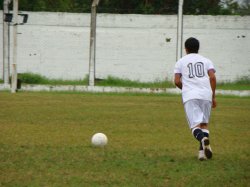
195, 76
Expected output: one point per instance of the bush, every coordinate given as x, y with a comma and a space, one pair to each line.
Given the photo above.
31, 78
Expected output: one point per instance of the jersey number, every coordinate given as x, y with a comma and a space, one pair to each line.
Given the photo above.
196, 70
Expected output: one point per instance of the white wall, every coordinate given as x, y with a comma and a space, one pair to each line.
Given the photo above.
56, 45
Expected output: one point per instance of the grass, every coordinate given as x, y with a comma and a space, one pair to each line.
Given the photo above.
45, 141
114, 81
30, 78
240, 84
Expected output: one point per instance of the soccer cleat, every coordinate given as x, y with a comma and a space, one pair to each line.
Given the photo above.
201, 155
206, 147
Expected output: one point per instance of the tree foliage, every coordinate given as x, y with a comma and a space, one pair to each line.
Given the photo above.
191, 7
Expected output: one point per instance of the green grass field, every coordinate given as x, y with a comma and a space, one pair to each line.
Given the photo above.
242, 83
45, 141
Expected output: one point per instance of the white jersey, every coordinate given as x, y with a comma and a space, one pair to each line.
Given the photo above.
194, 74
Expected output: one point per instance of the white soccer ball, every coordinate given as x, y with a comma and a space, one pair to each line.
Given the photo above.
99, 140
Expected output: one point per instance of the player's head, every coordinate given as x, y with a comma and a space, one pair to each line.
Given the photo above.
192, 45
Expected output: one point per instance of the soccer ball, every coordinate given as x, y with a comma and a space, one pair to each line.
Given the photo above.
99, 140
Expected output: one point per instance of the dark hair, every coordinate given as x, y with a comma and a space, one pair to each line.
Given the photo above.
192, 45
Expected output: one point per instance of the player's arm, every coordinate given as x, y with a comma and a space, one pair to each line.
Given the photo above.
177, 80
212, 77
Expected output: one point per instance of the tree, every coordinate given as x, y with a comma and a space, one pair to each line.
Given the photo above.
245, 8
191, 7
229, 7
199, 7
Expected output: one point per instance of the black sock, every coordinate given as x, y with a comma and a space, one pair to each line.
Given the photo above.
206, 134
198, 134
201, 148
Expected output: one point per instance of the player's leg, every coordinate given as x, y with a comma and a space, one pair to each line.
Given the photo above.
199, 135
206, 110
204, 128
202, 135
194, 118
198, 113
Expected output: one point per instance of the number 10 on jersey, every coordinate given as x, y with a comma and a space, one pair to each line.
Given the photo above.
196, 70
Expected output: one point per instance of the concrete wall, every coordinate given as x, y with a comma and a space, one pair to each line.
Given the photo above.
137, 47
